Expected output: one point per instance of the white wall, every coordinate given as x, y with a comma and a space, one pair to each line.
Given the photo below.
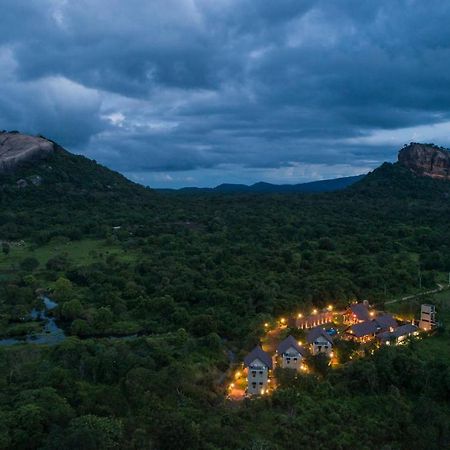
291, 359
321, 345
257, 377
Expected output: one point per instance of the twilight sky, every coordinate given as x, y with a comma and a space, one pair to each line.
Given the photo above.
200, 92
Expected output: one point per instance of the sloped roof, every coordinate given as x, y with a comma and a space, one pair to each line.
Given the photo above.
290, 341
363, 328
403, 330
360, 311
258, 353
314, 333
386, 321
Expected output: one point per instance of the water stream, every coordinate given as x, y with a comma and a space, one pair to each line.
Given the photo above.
51, 333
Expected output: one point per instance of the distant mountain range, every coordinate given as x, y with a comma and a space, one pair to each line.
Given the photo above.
28, 157
27, 161
335, 184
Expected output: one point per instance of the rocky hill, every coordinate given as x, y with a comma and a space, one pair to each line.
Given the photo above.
45, 187
426, 160
29, 162
16, 149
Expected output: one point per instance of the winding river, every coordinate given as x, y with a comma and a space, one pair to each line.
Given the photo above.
51, 333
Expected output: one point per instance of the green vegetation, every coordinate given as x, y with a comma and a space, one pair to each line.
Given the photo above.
80, 252
195, 276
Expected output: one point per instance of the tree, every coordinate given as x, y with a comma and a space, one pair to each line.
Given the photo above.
63, 289
91, 432
80, 327
72, 309
319, 364
57, 263
29, 264
103, 318
326, 243
6, 248
28, 424
203, 325
5, 440
344, 349
285, 377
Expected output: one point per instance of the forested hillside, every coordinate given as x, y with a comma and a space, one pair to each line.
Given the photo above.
192, 278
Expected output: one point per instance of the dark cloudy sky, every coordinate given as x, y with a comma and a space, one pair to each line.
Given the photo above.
200, 92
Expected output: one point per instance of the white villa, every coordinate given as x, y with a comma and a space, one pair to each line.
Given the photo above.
259, 364
291, 353
320, 341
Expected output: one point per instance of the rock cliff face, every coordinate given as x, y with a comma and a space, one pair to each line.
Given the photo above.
16, 149
426, 160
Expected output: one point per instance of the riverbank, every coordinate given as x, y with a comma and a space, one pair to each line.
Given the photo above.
51, 333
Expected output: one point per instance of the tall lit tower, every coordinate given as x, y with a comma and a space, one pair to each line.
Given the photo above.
427, 317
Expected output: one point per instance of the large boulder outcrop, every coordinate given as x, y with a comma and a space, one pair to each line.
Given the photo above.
426, 160
16, 149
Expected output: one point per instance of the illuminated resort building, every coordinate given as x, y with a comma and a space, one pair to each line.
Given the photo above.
320, 341
291, 353
368, 329
356, 313
314, 320
427, 317
399, 335
259, 363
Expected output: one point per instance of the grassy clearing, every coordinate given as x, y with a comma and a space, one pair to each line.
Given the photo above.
78, 252
442, 277
438, 345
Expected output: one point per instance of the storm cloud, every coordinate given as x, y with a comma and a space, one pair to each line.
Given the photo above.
199, 92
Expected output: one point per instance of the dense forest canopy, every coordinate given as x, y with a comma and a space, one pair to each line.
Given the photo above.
193, 277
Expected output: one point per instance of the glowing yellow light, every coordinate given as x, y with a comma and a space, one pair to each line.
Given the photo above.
238, 374
300, 315
299, 342
314, 311
266, 324
372, 313
282, 320
330, 307
231, 385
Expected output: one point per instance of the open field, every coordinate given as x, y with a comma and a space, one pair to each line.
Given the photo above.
438, 345
83, 252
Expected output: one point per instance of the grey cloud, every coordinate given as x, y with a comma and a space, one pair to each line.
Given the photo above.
180, 85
